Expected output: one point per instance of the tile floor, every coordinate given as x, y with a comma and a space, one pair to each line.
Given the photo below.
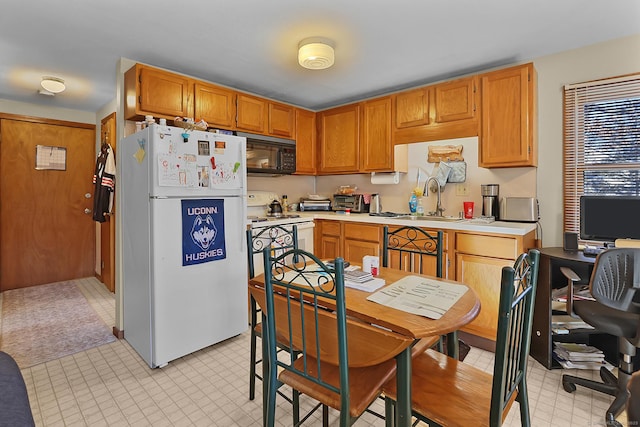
112, 386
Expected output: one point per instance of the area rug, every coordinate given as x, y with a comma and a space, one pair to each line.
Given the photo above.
47, 322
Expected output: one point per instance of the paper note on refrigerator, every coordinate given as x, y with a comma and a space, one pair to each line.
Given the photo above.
177, 170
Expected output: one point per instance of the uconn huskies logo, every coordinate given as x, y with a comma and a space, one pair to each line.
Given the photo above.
202, 231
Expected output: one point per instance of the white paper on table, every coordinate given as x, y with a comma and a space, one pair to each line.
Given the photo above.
420, 295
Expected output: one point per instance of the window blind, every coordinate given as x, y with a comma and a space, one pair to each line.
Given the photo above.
601, 142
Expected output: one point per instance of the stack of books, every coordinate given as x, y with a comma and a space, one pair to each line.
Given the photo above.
579, 356
357, 276
358, 279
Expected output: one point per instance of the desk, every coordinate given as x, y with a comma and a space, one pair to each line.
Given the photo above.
407, 324
549, 278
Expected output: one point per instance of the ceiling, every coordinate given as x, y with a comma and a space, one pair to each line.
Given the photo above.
380, 46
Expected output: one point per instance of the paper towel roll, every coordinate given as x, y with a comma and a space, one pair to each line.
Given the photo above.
385, 178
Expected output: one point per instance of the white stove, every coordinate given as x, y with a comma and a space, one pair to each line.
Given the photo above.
258, 218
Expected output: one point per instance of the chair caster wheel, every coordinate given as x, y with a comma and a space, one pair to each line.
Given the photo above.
569, 387
610, 422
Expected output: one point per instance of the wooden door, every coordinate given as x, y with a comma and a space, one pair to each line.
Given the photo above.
46, 236
483, 275
215, 105
108, 228
508, 111
164, 94
455, 100
282, 120
305, 142
339, 140
411, 108
376, 150
252, 113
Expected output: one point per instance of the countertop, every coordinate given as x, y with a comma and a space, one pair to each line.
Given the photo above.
501, 227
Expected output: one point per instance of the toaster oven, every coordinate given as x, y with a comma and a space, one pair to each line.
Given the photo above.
355, 202
520, 209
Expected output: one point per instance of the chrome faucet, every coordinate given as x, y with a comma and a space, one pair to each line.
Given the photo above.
439, 208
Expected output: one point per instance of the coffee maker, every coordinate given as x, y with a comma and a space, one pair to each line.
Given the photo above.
490, 200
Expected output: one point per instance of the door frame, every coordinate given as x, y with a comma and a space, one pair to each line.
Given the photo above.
106, 268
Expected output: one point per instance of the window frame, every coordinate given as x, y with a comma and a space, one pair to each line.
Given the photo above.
575, 96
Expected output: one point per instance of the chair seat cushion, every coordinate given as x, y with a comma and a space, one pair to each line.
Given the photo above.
608, 320
446, 391
365, 384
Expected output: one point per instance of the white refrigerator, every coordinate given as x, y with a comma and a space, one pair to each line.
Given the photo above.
183, 212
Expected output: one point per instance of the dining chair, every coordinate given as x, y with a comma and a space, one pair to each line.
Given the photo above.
279, 239
343, 362
447, 392
615, 311
410, 248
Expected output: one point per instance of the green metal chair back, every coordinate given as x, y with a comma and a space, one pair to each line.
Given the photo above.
515, 318
296, 300
412, 243
278, 239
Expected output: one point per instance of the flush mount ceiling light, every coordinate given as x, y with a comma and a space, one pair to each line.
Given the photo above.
315, 53
53, 84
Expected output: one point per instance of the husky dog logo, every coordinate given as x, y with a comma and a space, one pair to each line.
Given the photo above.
203, 232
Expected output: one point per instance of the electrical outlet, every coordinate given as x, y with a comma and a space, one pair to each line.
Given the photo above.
462, 189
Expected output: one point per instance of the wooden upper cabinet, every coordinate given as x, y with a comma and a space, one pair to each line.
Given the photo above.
215, 105
150, 91
411, 108
442, 111
282, 120
376, 149
306, 147
252, 113
455, 100
339, 131
507, 133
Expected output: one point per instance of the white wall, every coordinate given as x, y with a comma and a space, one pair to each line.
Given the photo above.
614, 58
54, 113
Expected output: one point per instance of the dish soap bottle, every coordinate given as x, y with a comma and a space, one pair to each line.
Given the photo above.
413, 203
420, 208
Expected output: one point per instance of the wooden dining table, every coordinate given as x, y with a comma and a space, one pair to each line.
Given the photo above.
410, 325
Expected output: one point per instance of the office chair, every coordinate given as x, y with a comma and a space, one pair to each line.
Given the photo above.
278, 239
615, 285
446, 392
306, 304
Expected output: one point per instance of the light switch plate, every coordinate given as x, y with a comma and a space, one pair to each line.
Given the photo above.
462, 189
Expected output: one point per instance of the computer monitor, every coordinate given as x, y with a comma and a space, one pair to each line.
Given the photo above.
607, 218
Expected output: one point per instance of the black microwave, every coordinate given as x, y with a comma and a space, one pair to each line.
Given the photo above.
270, 155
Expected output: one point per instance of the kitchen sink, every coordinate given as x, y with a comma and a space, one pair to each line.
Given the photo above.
432, 218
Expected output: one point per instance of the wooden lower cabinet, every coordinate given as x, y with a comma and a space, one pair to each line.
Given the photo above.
350, 240
327, 242
482, 274
360, 240
479, 262
479, 258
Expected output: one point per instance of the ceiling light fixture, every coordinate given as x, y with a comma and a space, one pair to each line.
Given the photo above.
53, 84
316, 53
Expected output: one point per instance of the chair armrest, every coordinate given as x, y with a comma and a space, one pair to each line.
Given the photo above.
572, 278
